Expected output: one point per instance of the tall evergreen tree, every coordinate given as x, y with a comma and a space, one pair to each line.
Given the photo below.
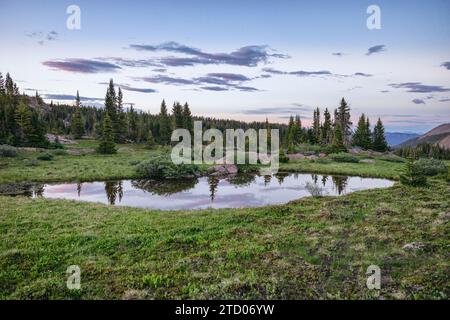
343, 116
188, 122
379, 140
361, 138
77, 125
298, 130
107, 145
177, 113
316, 125
368, 134
2, 84
326, 133
22, 118
337, 144
164, 125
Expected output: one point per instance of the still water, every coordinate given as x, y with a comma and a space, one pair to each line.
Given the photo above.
206, 192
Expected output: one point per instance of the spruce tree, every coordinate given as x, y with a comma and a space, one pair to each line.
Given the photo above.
298, 137
188, 123
343, 116
379, 140
2, 85
164, 125
22, 117
361, 138
368, 134
316, 125
77, 125
177, 113
107, 145
337, 144
150, 139
325, 136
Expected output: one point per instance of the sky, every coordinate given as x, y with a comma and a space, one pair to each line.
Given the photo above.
244, 60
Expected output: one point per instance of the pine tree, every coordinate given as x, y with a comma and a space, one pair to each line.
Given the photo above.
22, 118
269, 135
164, 125
325, 136
177, 113
132, 124
150, 139
77, 125
2, 85
379, 140
413, 176
361, 138
298, 131
368, 134
343, 116
337, 144
290, 135
316, 125
187, 118
121, 122
111, 110
107, 145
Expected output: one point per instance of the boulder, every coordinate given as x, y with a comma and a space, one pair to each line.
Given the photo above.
322, 155
312, 157
223, 169
370, 161
296, 156
414, 246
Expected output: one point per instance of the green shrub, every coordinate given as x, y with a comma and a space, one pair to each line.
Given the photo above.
344, 157
412, 175
161, 167
8, 151
31, 162
283, 158
45, 157
431, 167
392, 158
59, 152
134, 162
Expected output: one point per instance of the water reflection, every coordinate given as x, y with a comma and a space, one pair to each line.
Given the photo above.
246, 190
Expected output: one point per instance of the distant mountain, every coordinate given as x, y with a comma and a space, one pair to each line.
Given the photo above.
439, 135
395, 138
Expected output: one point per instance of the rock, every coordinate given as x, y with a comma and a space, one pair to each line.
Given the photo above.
355, 150
313, 157
223, 169
322, 155
62, 139
296, 156
414, 246
371, 161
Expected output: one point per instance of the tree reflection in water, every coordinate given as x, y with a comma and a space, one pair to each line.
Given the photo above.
280, 177
324, 180
213, 183
340, 183
267, 179
164, 187
241, 180
113, 190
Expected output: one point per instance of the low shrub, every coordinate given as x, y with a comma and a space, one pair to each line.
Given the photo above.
283, 158
431, 167
412, 175
31, 162
134, 162
392, 158
59, 152
343, 157
161, 167
45, 157
8, 151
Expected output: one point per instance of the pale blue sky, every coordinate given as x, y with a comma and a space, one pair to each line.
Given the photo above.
239, 59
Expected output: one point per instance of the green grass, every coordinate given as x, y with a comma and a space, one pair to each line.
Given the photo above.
314, 248
82, 167
379, 169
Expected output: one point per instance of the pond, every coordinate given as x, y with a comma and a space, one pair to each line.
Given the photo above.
206, 192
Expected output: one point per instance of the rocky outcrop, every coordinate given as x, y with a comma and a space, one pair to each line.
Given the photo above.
223, 169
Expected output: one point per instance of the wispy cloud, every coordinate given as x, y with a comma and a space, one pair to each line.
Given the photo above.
418, 87
338, 54
42, 37
418, 101
446, 65
376, 49
69, 97
303, 73
127, 87
249, 56
81, 65
291, 110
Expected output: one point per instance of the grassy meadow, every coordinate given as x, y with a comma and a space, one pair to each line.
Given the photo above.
312, 248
